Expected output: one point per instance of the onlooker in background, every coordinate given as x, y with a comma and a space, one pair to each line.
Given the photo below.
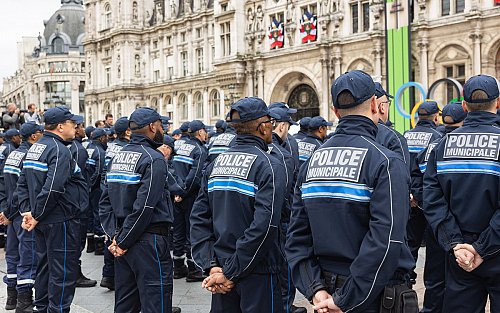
100, 124
12, 118
33, 115
108, 120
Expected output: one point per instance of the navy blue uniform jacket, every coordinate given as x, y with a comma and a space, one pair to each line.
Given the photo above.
235, 219
307, 146
189, 162
5, 149
420, 137
349, 216
51, 184
393, 141
135, 195
95, 164
462, 185
221, 143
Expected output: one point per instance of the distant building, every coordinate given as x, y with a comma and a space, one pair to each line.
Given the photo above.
52, 67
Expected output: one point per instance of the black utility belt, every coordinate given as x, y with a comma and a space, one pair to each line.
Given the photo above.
162, 229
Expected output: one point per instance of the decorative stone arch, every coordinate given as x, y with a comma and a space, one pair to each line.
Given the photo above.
492, 55
360, 64
289, 78
455, 43
62, 35
80, 39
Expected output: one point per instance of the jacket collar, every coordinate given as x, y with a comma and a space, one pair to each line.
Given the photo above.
481, 118
251, 140
277, 139
140, 139
357, 125
428, 124
56, 137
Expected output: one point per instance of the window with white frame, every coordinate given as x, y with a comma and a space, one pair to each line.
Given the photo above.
279, 16
183, 105
156, 70
456, 71
108, 76
215, 103
199, 59
452, 7
360, 17
108, 18
225, 38
311, 8
184, 63
198, 104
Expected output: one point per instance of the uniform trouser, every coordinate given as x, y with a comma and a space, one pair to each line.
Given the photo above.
58, 250
20, 257
108, 270
83, 234
434, 270
415, 230
182, 211
143, 278
94, 197
256, 293
287, 286
467, 292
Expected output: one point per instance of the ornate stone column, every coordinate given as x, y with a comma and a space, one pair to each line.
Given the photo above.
325, 82
250, 69
476, 57
260, 79
423, 45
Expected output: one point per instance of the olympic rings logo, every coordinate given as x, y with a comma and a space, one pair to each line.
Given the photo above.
398, 98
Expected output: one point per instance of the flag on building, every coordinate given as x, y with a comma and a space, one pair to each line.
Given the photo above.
276, 34
308, 25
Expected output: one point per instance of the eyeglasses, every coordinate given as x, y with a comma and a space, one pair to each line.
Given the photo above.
388, 102
272, 121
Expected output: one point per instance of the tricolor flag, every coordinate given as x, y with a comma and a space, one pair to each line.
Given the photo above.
276, 34
308, 25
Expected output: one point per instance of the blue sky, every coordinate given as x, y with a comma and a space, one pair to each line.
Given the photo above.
20, 18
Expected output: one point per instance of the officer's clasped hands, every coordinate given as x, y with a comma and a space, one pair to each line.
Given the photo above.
29, 222
467, 257
216, 282
323, 303
115, 250
4, 220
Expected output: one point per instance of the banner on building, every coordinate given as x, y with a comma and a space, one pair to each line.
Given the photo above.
308, 24
276, 34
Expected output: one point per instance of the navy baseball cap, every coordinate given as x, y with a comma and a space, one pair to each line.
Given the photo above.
220, 124
455, 111
176, 132
250, 109
99, 132
111, 130
2, 135
165, 120
283, 115
58, 115
78, 119
284, 106
359, 84
486, 83
184, 127
121, 125
304, 122
11, 133
169, 141
144, 116
28, 129
317, 121
89, 130
195, 126
428, 108
380, 91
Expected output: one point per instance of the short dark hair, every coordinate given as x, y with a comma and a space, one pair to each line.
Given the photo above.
244, 128
345, 98
108, 115
97, 123
483, 106
50, 126
30, 105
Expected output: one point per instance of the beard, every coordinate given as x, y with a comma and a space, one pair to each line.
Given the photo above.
158, 138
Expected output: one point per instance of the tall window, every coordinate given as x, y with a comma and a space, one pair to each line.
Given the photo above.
184, 62
360, 14
354, 17
366, 16
225, 38
199, 59
108, 76
156, 70
198, 104
108, 19
215, 103
456, 71
183, 105
154, 104
166, 104
58, 45
445, 7
459, 6
311, 8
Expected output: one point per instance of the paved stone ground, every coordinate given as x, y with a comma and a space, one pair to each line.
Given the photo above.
189, 296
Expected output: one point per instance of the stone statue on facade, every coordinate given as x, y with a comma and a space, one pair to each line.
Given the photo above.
260, 19
137, 65
159, 13
173, 9
290, 11
135, 13
250, 20
118, 67
187, 7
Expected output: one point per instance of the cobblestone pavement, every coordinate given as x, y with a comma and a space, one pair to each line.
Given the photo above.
189, 296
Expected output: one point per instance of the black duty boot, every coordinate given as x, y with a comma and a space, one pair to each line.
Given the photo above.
90, 244
297, 309
108, 282
2, 241
11, 298
180, 269
99, 246
84, 282
176, 309
194, 273
24, 302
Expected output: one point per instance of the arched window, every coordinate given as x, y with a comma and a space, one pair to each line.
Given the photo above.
106, 108
198, 105
183, 105
58, 45
167, 103
108, 18
215, 103
154, 104
118, 111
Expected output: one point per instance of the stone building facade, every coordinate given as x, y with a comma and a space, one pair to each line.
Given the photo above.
51, 67
191, 58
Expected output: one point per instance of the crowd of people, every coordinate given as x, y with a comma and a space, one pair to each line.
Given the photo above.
255, 213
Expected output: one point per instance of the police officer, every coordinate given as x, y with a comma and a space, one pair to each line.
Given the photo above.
12, 142
304, 128
289, 142
387, 136
184, 129
166, 122
50, 195
88, 133
123, 134
418, 139
346, 239
20, 254
176, 134
220, 128
135, 213
461, 192
95, 170
80, 155
314, 139
235, 220
434, 268
221, 143
189, 162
